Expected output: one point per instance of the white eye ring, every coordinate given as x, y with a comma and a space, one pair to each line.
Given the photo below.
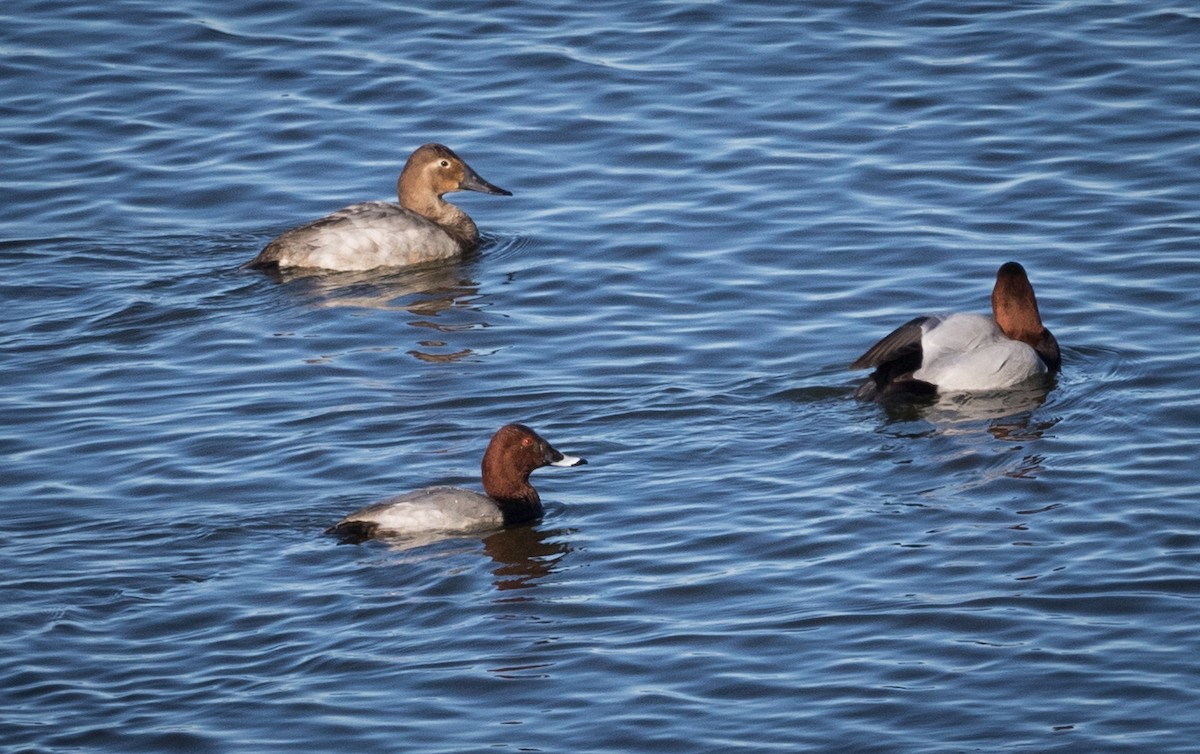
445, 163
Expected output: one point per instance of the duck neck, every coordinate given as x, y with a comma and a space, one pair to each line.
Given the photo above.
1047, 349
518, 500
456, 222
437, 210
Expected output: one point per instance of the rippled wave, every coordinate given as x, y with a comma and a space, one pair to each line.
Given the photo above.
716, 208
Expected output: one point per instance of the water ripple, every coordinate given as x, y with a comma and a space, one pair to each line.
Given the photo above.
716, 207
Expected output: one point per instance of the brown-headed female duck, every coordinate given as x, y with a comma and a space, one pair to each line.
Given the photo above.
423, 227
514, 452
965, 352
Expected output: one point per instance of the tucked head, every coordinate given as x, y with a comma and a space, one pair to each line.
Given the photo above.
435, 169
1015, 309
1014, 305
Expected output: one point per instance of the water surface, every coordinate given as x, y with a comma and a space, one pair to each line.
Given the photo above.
716, 208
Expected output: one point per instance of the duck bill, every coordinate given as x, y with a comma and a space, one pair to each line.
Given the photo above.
472, 182
558, 459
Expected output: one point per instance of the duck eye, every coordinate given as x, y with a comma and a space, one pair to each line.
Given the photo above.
445, 163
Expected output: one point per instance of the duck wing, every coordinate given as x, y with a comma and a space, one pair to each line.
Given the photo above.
360, 237
903, 343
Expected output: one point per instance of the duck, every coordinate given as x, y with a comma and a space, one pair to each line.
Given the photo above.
965, 352
422, 227
514, 452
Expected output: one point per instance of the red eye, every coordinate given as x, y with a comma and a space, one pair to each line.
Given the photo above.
526, 442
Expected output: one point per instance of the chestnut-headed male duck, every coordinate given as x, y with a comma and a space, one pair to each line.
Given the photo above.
514, 452
423, 227
965, 352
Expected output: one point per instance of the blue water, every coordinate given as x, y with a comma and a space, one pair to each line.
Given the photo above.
717, 207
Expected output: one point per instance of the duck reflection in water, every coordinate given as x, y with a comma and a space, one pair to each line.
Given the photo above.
1008, 415
525, 555
521, 556
443, 298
